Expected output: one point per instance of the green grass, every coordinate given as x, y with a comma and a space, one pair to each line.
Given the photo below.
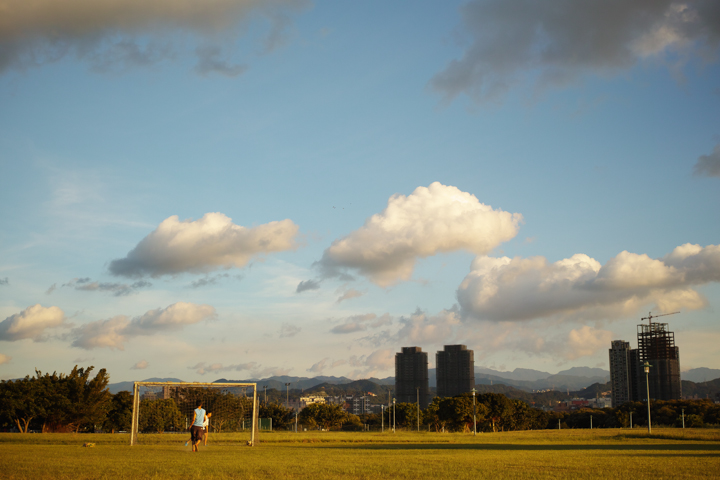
577, 454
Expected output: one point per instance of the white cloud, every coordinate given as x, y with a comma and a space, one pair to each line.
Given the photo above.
114, 34
360, 323
585, 342
377, 363
535, 339
141, 365
351, 293
421, 328
255, 370
203, 245
117, 289
31, 323
431, 220
211, 280
211, 61
114, 332
319, 367
526, 288
287, 330
307, 285
709, 165
4, 358
556, 42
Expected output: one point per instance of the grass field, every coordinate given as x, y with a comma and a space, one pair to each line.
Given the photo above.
576, 454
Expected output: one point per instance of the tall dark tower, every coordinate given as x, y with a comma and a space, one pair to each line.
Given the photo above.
411, 376
621, 368
656, 345
455, 369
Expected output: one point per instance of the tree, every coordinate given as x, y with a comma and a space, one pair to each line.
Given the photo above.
326, 415
406, 415
75, 401
160, 416
120, 415
432, 417
500, 409
279, 414
20, 402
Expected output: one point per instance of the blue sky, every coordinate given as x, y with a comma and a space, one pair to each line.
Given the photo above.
349, 178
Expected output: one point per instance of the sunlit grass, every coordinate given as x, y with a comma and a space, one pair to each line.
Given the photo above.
668, 453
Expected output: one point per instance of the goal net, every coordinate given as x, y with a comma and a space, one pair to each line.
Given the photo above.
168, 407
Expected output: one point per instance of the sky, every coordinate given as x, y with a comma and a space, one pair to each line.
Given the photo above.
205, 189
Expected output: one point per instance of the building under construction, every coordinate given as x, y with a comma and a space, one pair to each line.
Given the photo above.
656, 346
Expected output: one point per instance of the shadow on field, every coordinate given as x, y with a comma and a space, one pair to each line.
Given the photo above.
512, 447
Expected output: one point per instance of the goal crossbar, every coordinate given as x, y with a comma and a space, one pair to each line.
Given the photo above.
136, 402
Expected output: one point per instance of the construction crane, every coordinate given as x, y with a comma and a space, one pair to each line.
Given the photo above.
651, 316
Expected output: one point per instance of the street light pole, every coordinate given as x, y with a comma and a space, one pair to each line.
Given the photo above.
393, 415
287, 395
631, 420
382, 419
418, 407
474, 413
265, 388
683, 416
590, 422
647, 384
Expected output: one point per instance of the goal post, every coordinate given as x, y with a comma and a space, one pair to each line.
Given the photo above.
171, 405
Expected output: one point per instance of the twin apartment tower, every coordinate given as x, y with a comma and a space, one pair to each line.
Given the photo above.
455, 372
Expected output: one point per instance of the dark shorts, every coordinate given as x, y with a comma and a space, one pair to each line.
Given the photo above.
196, 433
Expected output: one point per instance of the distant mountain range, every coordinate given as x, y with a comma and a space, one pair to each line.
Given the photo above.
573, 379
699, 375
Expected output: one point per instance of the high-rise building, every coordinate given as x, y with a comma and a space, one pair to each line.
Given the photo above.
411, 376
455, 370
620, 372
656, 346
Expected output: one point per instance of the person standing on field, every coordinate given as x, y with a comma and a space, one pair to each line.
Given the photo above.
206, 428
196, 430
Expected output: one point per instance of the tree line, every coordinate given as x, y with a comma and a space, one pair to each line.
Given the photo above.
80, 402
57, 402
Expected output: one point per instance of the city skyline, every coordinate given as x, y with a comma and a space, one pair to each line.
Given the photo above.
293, 187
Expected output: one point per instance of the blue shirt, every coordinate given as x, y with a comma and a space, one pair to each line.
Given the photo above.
199, 417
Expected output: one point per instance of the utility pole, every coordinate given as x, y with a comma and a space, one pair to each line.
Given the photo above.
393, 415
418, 407
647, 383
265, 388
287, 395
382, 419
474, 413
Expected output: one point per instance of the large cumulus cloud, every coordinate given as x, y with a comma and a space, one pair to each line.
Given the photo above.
559, 41
203, 245
31, 323
527, 288
112, 33
431, 220
114, 332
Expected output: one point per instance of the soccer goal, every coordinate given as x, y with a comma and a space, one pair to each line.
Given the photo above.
167, 407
